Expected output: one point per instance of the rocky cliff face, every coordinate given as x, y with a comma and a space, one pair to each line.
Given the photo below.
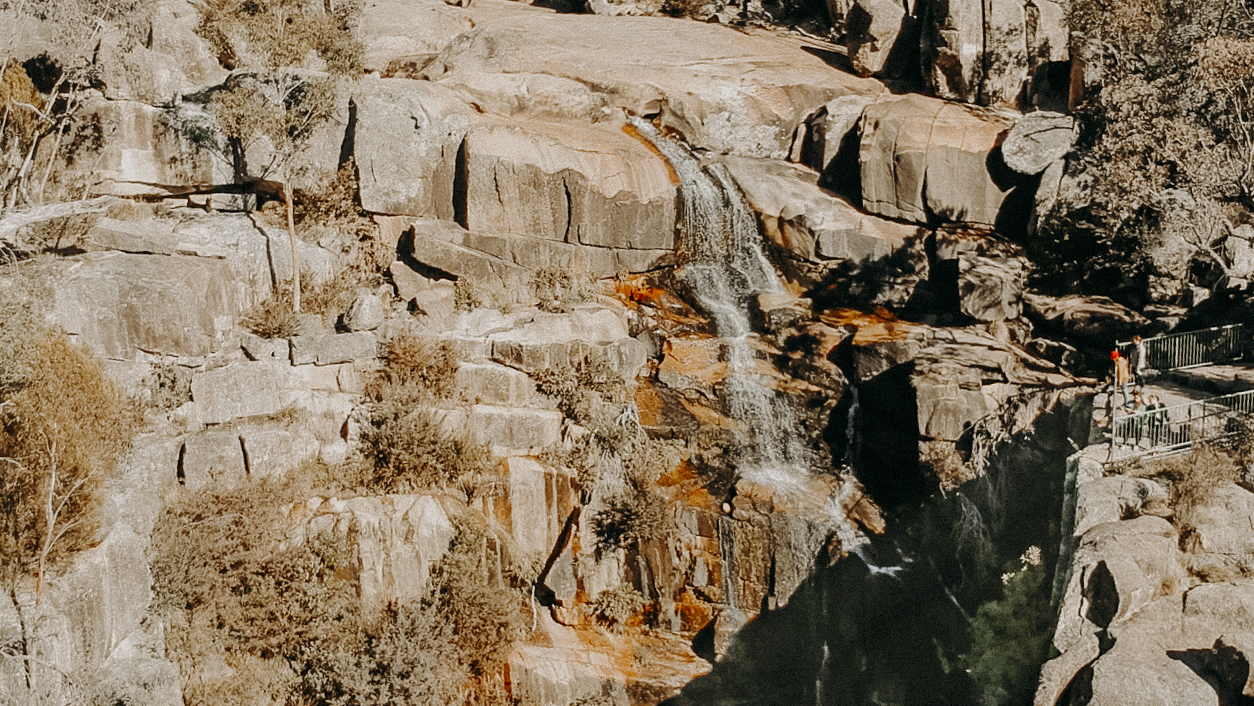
492, 144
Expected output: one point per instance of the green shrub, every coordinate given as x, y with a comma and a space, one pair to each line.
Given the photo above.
616, 606
272, 318
1010, 636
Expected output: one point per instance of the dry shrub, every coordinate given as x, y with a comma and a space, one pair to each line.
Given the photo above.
558, 291
945, 462
1131, 25
62, 434
230, 591
331, 199
411, 360
272, 318
18, 123
628, 520
168, 386
21, 328
572, 386
276, 33
484, 618
1194, 479
411, 449
466, 295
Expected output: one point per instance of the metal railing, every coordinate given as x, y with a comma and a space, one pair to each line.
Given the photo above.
1178, 427
1191, 348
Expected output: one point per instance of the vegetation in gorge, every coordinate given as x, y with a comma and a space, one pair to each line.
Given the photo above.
1167, 150
63, 428
42, 98
1010, 636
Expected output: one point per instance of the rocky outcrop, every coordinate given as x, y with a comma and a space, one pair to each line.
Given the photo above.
1037, 140
693, 76
923, 158
990, 51
1097, 321
810, 223
405, 144
173, 62
571, 184
95, 617
401, 36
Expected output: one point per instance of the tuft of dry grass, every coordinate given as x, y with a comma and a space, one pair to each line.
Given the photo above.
272, 318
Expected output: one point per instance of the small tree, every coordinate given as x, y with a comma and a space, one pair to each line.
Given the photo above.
276, 110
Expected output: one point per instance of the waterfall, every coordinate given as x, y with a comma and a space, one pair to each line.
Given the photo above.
725, 267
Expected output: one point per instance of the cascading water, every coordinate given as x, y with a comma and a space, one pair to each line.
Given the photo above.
724, 268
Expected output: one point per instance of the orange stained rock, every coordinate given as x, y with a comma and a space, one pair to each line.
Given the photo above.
636, 134
691, 490
710, 417
649, 405
656, 297
698, 357
875, 327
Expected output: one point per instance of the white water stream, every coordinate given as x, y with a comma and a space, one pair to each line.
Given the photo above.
725, 268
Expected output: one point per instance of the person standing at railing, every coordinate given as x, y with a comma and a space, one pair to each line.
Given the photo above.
1137, 361
1156, 420
1123, 377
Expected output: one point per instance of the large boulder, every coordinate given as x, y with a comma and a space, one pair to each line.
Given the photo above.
922, 157
1037, 140
570, 183
810, 222
953, 48
405, 144
142, 151
123, 305
396, 539
532, 96
1097, 321
871, 30
725, 90
987, 51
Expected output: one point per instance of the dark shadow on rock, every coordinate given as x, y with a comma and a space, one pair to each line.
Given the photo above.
1103, 597
1224, 667
850, 634
833, 59
886, 450
1016, 208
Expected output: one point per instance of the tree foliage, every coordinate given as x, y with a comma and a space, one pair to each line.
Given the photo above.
1166, 169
